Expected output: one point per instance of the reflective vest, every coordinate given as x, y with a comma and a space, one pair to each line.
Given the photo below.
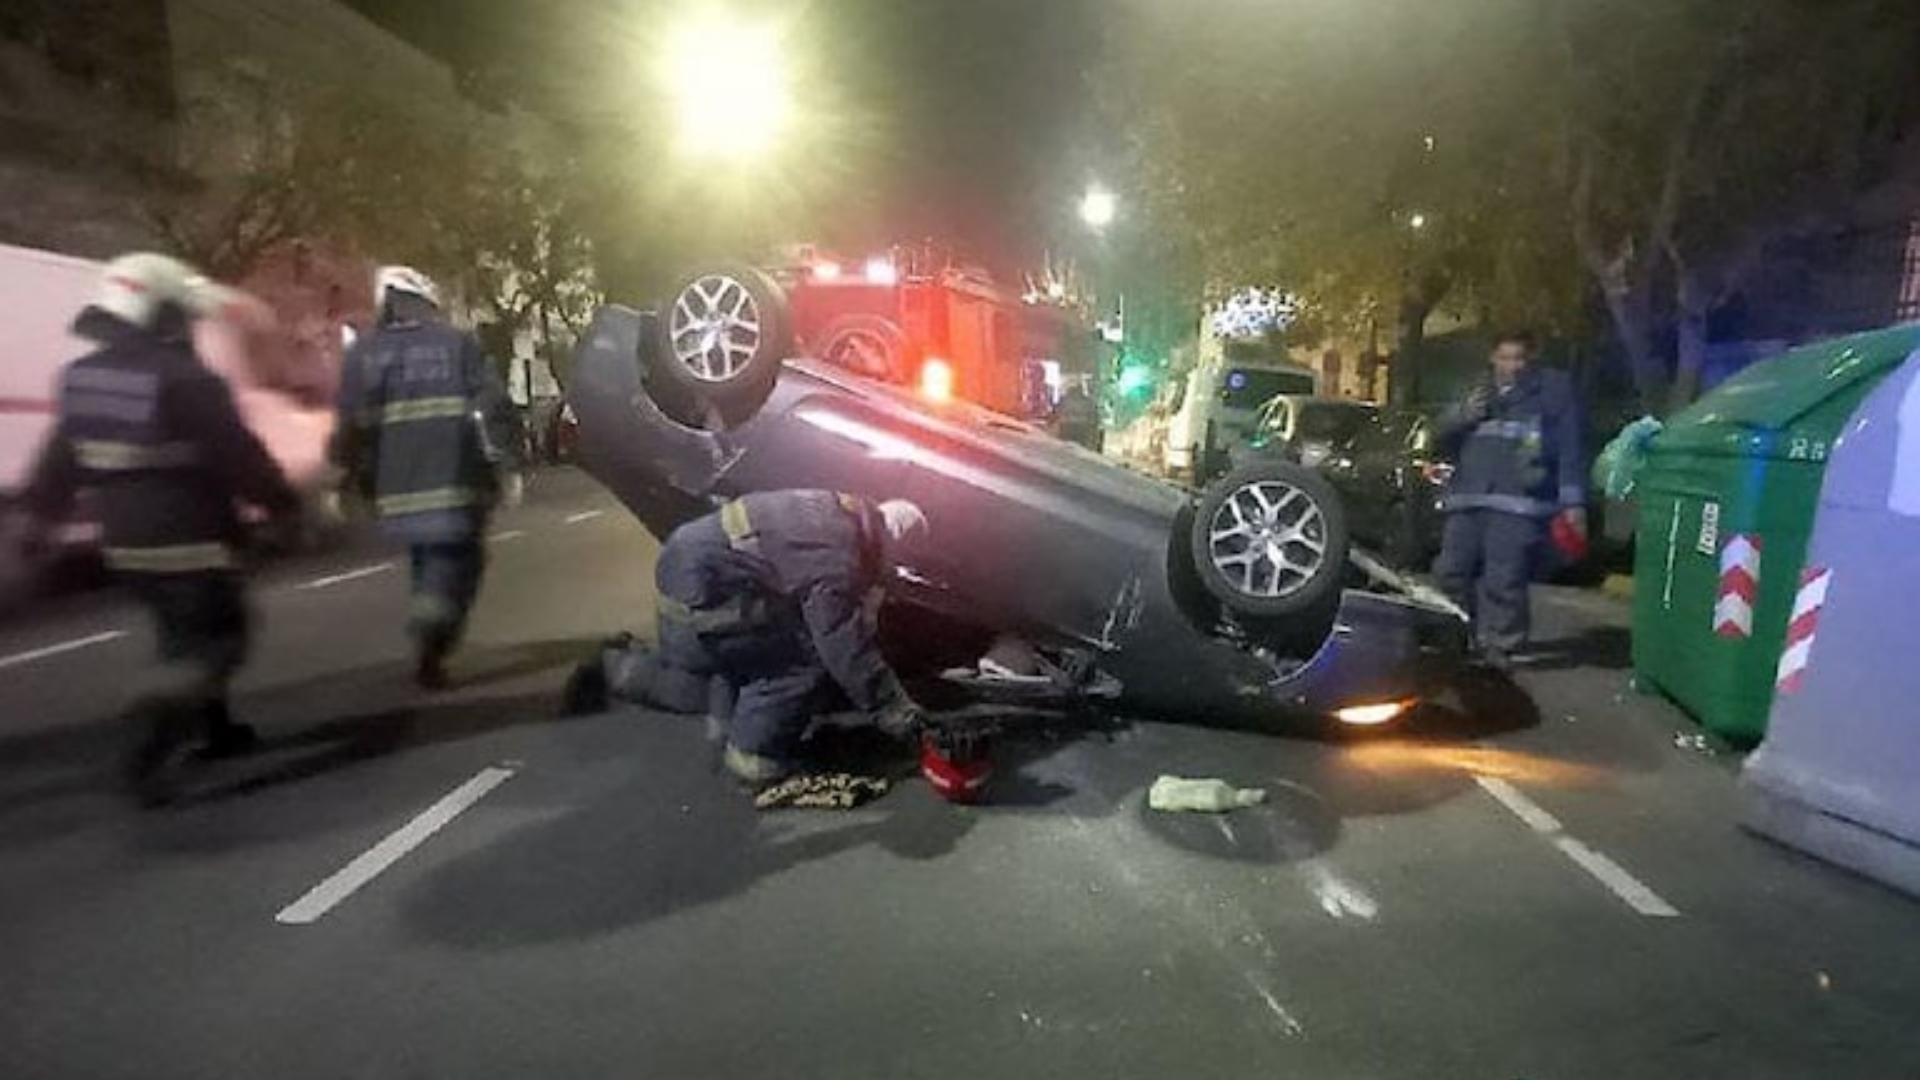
157, 439
1525, 456
424, 423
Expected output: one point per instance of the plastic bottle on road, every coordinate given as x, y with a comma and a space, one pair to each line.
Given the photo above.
1173, 793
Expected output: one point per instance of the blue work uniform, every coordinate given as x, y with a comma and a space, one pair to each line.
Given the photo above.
1515, 468
767, 598
424, 429
157, 440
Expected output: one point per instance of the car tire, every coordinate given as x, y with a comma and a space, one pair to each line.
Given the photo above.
1281, 507
723, 337
869, 345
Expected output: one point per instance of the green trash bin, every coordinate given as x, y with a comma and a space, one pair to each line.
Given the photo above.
1727, 498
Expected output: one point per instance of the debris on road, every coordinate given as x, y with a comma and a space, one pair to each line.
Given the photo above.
1696, 742
1176, 794
822, 791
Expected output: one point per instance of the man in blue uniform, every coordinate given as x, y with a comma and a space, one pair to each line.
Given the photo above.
768, 619
156, 438
427, 432
1519, 455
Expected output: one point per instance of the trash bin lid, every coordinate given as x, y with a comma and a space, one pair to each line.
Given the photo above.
1772, 409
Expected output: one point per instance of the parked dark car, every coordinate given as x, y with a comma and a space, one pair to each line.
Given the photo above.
1221, 605
1381, 462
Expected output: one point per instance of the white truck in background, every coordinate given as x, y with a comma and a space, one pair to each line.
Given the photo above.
1220, 404
283, 393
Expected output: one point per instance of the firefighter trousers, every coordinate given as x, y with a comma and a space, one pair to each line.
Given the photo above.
1485, 564
766, 684
446, 581
202, 629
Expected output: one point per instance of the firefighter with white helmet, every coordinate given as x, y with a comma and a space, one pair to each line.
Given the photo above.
156, 438
426, 432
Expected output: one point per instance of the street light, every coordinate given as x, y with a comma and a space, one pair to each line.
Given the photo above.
1417, 222
730, 87
1098, 208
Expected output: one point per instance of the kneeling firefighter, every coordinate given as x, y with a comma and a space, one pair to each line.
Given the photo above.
768, 619
157, 439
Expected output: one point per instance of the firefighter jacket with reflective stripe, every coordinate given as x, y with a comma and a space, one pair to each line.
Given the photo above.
424, 426
157, 438
1525, 455
784, 557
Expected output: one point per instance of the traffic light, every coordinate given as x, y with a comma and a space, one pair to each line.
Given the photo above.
1136, 379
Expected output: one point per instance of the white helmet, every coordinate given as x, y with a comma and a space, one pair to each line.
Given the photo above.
404, 279
134, 288
902, 518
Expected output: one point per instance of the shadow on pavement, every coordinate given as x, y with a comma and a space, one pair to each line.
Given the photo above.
1608, 648
62, 771
668, 836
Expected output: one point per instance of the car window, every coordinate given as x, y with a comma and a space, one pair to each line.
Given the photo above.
1246, 388
1336, 424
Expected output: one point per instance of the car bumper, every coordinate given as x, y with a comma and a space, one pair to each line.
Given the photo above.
1383, 650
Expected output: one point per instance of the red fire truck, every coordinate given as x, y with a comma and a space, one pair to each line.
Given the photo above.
916, 317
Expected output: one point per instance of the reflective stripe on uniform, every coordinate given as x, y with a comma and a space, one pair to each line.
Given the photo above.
106, 455
1512, 430
420, 502
727, 616
113, 381
171, 559
1506, 504
739, 528
433, 408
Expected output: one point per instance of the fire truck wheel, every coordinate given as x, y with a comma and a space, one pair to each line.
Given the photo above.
724, 336
869, 345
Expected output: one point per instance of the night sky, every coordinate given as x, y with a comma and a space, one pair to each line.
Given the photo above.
974, 115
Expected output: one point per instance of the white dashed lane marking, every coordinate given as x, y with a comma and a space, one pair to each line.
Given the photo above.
584, 515
75, 645
1611, 874
342, 578
350, 878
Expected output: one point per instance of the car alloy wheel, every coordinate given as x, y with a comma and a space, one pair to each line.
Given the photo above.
716, 328
1268, 539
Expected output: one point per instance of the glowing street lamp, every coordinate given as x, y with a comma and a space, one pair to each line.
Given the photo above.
1098, 208
730, 87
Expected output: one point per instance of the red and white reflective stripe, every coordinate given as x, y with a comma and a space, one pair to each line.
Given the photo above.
1739, 587
1800, 632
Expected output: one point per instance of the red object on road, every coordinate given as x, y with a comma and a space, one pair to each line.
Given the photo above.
1572, 542
957, 768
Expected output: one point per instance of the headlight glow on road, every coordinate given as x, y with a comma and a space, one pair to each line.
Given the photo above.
1384, 712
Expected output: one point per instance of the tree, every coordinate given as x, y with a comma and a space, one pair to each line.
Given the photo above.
1652, 154
521, 254
1696, 135
1356, 153
272, 164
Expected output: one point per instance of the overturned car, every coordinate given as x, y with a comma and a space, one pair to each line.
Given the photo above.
1239, 604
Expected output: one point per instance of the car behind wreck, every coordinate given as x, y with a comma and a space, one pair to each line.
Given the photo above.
1241, 604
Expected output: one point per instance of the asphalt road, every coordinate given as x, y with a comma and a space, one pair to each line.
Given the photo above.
1532, 882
